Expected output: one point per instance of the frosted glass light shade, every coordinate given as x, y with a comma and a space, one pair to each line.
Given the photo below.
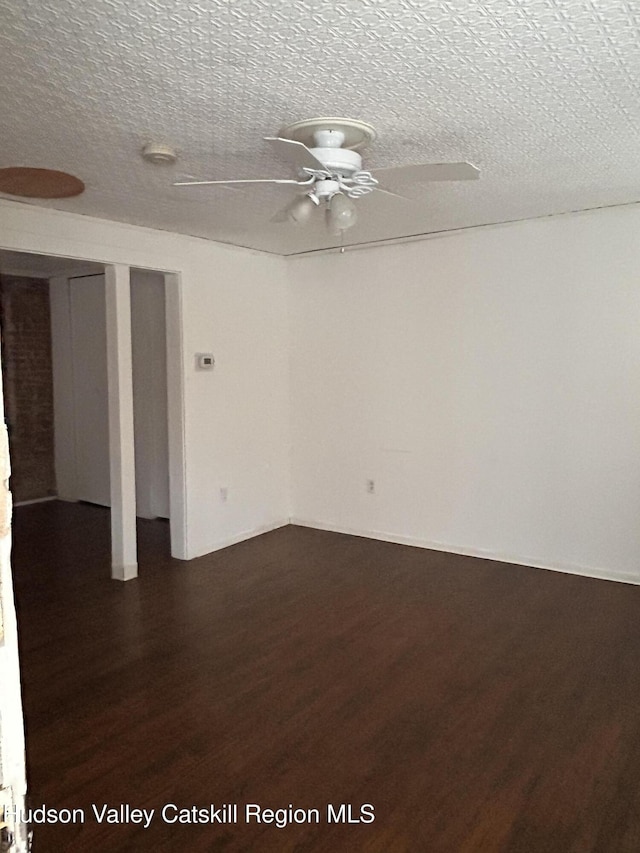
300, 210
342, 213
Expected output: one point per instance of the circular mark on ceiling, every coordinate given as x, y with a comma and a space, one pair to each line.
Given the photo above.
39, 183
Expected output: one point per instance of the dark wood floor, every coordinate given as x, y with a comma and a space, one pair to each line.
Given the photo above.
478, 706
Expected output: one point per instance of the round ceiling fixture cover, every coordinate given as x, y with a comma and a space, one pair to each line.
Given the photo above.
28, 182
357, 134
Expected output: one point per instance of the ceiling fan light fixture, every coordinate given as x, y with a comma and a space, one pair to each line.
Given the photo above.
300, 209
331, 171
342, 213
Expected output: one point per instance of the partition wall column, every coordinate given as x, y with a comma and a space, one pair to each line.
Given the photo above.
124, 560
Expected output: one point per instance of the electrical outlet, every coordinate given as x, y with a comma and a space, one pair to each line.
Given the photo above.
371, 487
224, 494
205, 361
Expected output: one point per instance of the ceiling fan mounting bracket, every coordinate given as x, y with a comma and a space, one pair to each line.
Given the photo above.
356, 134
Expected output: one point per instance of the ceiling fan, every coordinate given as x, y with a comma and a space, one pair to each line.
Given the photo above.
324, 153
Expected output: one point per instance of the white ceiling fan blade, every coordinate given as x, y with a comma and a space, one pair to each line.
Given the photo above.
384, 190
294, 152
193, 179
282, 215
429, 172
241, 181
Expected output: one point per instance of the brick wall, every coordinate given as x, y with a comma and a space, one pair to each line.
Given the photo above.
28, 385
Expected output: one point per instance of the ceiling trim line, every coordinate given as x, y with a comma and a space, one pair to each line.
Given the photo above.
428, 235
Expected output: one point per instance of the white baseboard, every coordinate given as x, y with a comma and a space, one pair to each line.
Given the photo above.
414, 542
36, 501
239, 537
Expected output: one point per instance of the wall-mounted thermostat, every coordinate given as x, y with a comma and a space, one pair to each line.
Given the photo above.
205, 361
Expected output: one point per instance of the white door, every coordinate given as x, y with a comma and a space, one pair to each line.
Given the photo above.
91, 406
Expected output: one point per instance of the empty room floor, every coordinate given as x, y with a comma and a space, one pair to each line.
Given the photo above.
474, 705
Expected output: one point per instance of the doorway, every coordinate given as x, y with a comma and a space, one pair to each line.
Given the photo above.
76, 361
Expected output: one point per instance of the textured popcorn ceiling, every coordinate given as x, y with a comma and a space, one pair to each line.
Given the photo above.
542, 95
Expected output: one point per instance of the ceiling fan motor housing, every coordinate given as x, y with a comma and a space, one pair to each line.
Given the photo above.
341, 161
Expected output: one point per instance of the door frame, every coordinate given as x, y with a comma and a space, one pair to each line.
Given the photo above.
121, 407
176, 415
121, 429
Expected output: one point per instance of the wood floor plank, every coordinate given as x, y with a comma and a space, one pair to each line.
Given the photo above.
480, 707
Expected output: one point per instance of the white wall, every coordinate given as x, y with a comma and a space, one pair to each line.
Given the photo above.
233, 303
485, 380
488, 381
